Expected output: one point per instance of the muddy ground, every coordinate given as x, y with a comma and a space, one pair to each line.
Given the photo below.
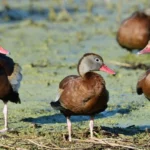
48, 42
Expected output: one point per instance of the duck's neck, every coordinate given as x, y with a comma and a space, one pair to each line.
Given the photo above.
83, 68
147, 12
83, 71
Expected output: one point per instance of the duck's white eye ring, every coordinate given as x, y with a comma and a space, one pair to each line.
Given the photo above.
97, 59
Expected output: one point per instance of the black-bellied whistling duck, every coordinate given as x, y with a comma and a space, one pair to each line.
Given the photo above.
143, 85
85, 94
10, 77
134, 32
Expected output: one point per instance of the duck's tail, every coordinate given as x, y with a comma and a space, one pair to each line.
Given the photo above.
56, 105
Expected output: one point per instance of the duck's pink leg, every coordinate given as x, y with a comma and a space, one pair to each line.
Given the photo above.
5, 112
69, 128
91, 124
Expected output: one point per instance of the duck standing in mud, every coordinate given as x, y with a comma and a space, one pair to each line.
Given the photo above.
85, 94
10, 77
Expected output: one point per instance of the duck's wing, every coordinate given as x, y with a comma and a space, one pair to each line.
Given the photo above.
66, 80
56, 104
15, 77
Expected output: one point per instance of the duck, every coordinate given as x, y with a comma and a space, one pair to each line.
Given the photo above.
83, 94
143, 84
134, 32
10, 78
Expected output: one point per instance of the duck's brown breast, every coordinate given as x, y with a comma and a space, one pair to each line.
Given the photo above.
5, 86
146, 87
6, 69
86, 95
7, 64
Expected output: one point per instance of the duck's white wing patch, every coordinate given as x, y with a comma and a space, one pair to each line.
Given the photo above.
16, 77
58, 95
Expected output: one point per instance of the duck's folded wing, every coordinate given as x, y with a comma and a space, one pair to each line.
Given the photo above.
66, 80
56, 104
15, 77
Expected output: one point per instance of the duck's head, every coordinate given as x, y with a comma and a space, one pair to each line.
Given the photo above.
92, 62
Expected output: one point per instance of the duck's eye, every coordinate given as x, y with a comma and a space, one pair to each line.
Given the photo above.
97, 59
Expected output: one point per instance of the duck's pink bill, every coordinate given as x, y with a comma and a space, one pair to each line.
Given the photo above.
3, 51
145, 50
106, 69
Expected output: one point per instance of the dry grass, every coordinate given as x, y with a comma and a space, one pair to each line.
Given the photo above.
103, 140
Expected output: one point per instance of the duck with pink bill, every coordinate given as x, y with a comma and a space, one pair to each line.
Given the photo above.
83, 94
10, 78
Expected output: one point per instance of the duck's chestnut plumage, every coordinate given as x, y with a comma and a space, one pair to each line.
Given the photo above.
134, 32
85, 94
143, 84
10, 77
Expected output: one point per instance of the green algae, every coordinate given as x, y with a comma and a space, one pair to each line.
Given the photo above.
136, 59
52, 16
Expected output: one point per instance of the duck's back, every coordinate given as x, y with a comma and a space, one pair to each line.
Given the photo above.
84, 96
134, 32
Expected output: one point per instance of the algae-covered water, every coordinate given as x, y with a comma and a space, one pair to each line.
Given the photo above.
48, 42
